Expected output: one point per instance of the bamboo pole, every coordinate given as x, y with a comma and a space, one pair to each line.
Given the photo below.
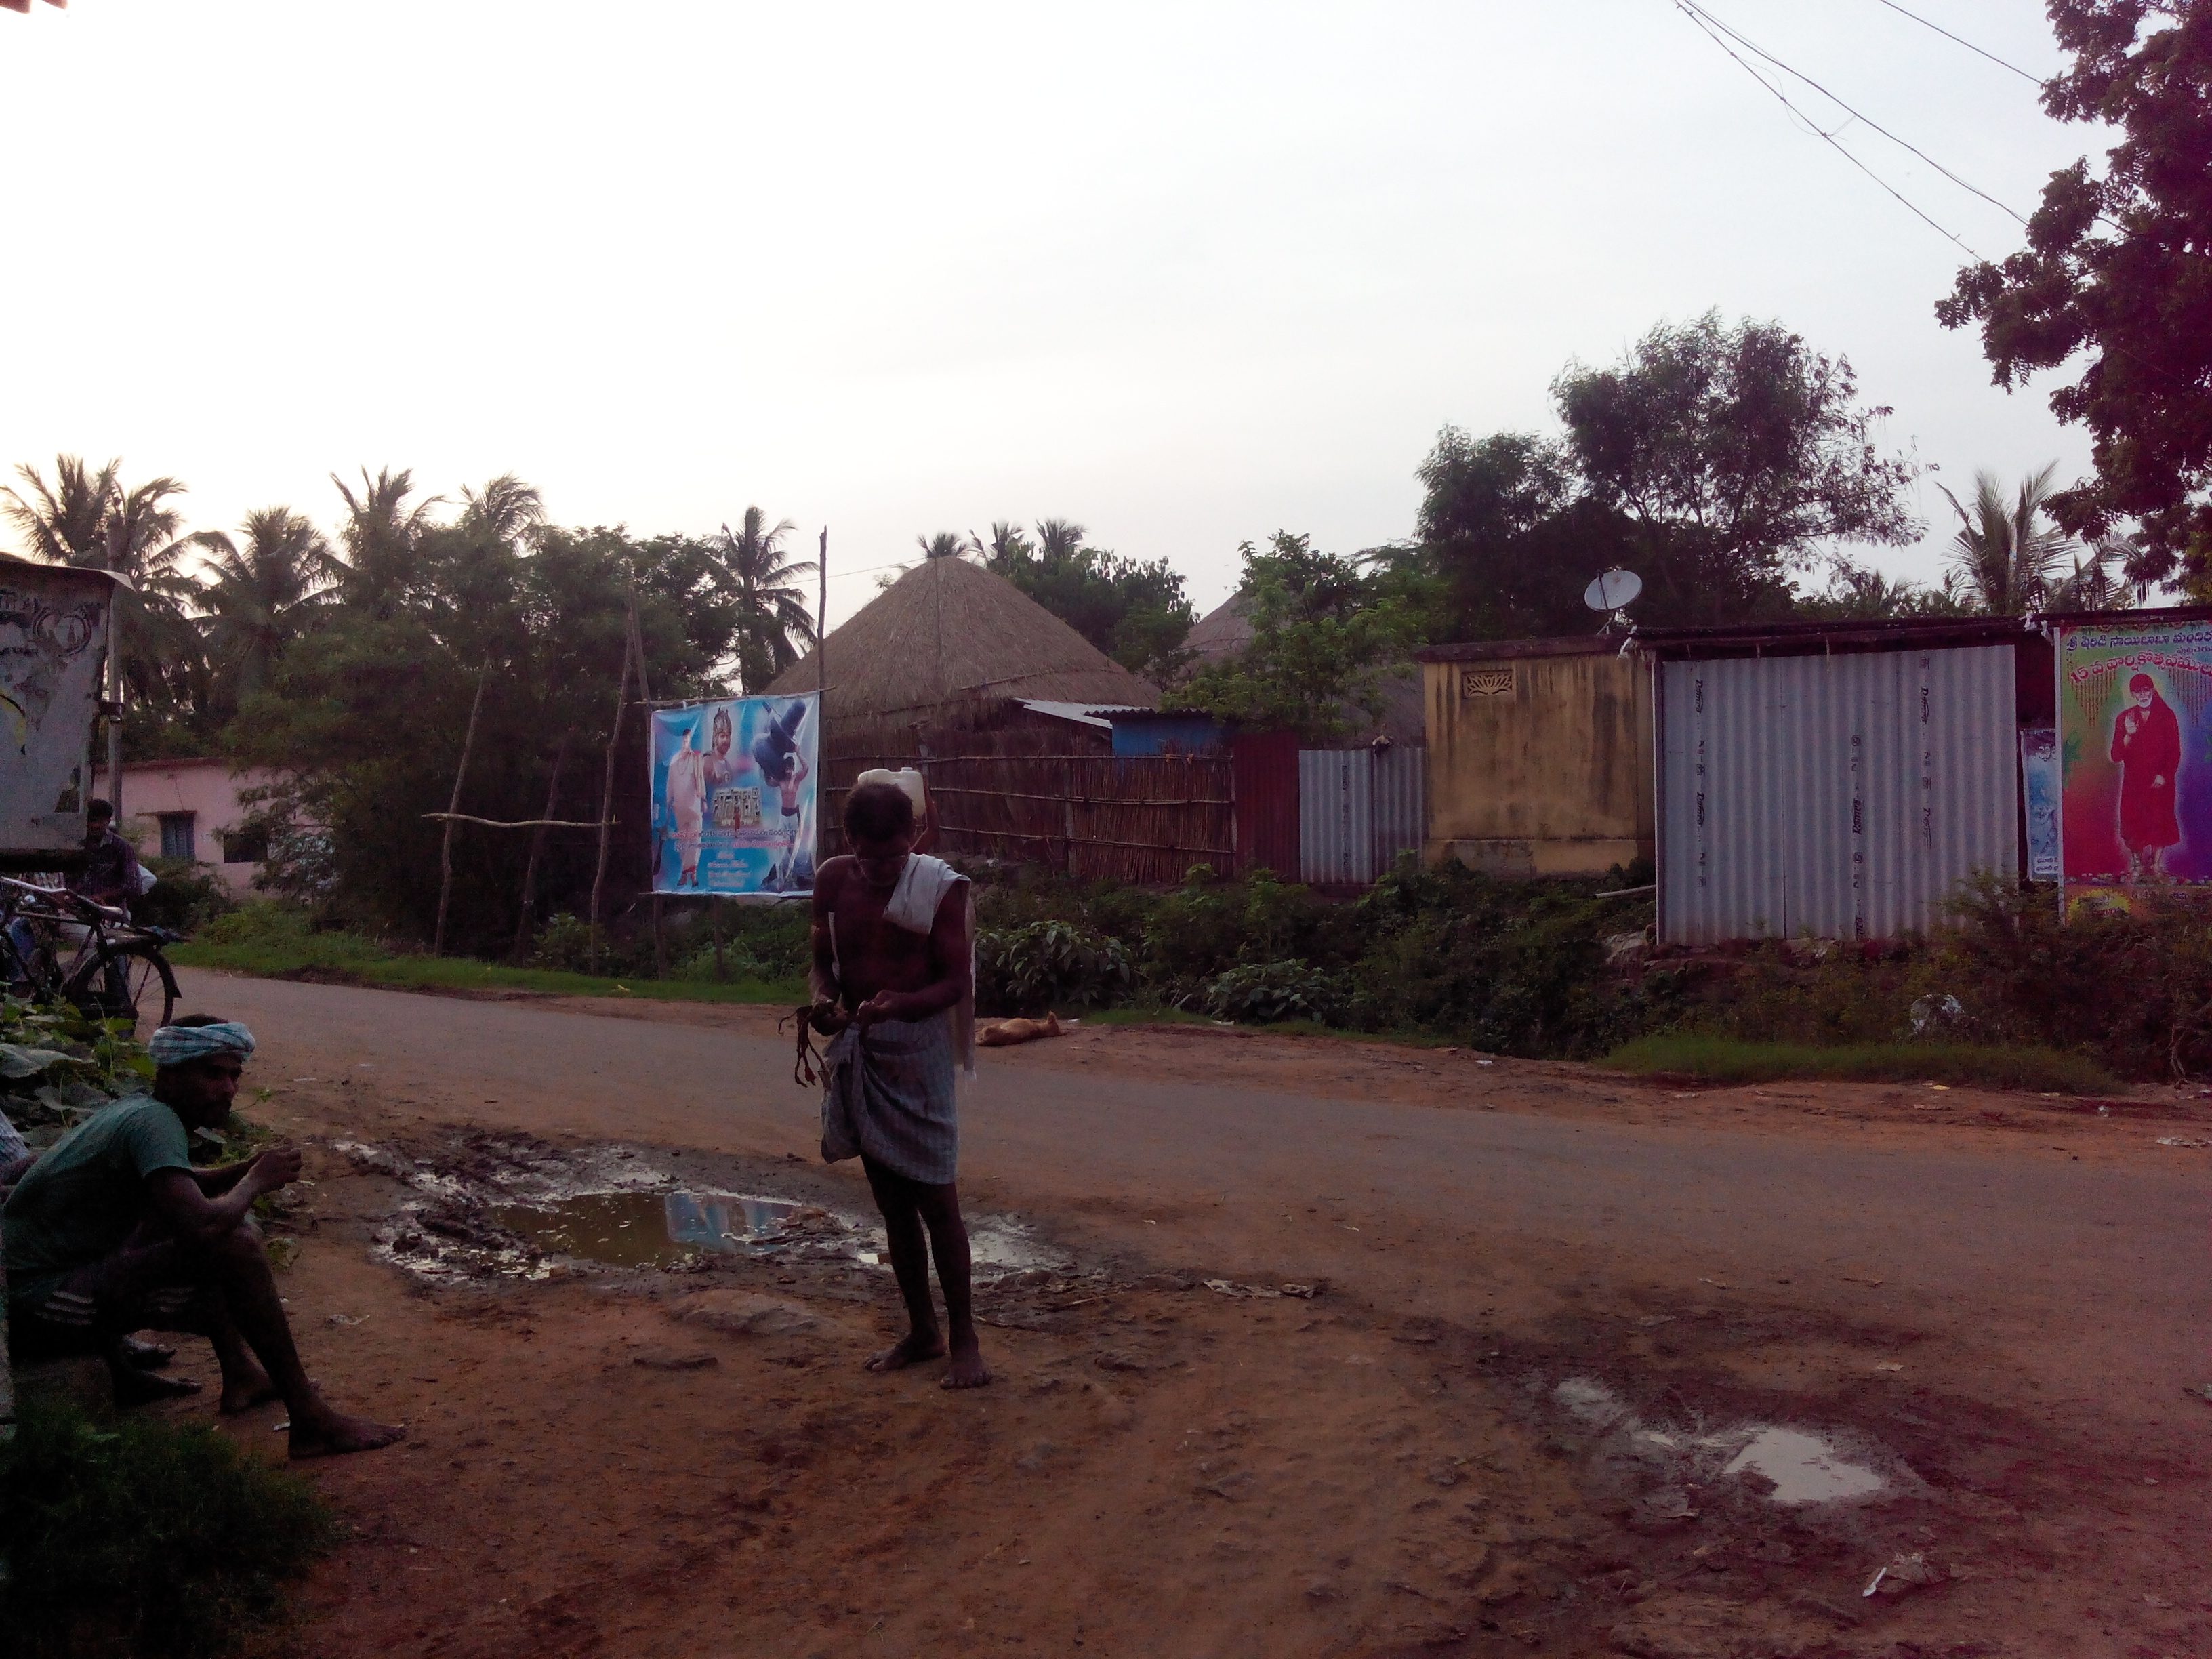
537, 847
607, 797
820, 700
645, 697
445, 852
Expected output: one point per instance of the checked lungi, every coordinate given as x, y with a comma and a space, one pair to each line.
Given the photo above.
889, 1096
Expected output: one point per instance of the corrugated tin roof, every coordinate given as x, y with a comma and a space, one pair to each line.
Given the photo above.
1081, 712
1825, 638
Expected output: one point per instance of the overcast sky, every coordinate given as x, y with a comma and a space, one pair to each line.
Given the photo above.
1186, 274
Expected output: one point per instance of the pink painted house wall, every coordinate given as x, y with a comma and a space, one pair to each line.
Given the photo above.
167, 804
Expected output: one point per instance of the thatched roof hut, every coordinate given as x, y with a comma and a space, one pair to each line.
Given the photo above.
949, 634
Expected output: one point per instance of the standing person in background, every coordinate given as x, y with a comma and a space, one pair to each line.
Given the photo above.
110, 875
894, 979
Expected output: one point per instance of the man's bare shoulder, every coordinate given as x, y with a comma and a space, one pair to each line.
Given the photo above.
830, 879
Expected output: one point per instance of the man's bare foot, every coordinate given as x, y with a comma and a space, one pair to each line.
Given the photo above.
966, 1369
337, 1435
244, 1393
146, 1355
135, 1387
911, 1349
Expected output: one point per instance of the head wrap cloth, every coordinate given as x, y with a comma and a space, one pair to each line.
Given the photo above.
181, 1045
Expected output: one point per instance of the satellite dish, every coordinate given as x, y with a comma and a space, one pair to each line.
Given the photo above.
1612, 590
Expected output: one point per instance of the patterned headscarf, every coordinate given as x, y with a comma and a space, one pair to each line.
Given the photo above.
179, 1045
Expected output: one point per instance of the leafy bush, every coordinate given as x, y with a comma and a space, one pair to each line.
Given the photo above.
58, 1067
1268, 993
1048, 964
185, 895
564, 943
759, 941
150, 1538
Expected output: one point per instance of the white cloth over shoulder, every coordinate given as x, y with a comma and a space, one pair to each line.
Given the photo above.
922, 888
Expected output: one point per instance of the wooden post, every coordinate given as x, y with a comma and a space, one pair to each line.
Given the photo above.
821, 701
445, 851
1067, 810
715, 910
537, 847
645, 698
115, 556
607, 797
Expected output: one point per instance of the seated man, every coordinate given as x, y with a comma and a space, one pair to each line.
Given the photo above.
112, 1231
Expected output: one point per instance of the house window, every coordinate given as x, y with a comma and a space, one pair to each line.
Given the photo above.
245, 845
177, 835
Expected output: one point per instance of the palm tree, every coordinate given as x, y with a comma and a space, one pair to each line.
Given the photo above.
750, 564
381, 536
262, 596
944, 544
506, 509
1059, 539
2005, 557
1008, 548
90, 519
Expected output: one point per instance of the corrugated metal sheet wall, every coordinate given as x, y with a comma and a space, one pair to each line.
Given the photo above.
1838, 795
1358, 809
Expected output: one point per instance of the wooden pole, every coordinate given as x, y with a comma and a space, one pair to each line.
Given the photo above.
607, 797
537, 849
821, 699
645, 697
715, 911
445, 851
115, 554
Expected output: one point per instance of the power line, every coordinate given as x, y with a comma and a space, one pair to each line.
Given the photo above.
1700, 13
1698, 18
1968, 45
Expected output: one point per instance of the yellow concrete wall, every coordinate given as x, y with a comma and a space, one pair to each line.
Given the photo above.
1549, 773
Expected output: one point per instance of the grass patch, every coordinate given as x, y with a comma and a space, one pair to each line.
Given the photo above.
357, 960
1730, 1059
147, 1538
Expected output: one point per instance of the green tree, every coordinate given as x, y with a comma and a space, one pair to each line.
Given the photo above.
772, 607
944, 544
1857, 594
1134, 610
380, 537
1738, 454
2114, 276
1326, 630
260, 595
2004, 553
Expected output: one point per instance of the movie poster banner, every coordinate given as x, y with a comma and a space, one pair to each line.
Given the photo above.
733, 797
2135, 731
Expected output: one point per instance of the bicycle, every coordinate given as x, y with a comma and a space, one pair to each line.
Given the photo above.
118, 971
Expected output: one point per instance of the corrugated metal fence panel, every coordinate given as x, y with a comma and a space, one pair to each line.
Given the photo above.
1336, 815
1401, 804
1841, 796
1266, 788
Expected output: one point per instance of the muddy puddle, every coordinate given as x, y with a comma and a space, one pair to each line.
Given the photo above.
491, 1207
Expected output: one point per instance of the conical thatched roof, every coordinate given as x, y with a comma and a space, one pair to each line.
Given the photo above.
950, 631
1221, 632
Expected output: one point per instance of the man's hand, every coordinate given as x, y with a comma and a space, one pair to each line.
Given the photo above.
277, 1167
885, 1005
828, 1019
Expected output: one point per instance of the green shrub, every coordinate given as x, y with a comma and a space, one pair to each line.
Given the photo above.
1730, 1059
186, 895
258, 921
759, 941
1048, 964
1268, 992
148, 1538
564, 944
58, 1067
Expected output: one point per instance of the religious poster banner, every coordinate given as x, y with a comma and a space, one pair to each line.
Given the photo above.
734, 797
2135, 733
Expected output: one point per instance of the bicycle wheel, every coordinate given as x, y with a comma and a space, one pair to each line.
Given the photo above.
126, 982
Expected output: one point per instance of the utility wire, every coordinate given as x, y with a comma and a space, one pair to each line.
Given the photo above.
1967, 44
1703, 15
1696, 17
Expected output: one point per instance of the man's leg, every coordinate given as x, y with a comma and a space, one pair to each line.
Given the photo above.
248, 1288
898, 1198
948, 1240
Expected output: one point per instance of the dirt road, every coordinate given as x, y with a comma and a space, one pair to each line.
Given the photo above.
1554, 1311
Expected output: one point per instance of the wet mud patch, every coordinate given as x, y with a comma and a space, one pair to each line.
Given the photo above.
482, 1206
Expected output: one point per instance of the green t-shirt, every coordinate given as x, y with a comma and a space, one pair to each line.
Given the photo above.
82, 1199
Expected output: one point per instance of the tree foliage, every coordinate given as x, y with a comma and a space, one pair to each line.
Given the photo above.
2118, 275
1717, 461
1326, 630
1133, 609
